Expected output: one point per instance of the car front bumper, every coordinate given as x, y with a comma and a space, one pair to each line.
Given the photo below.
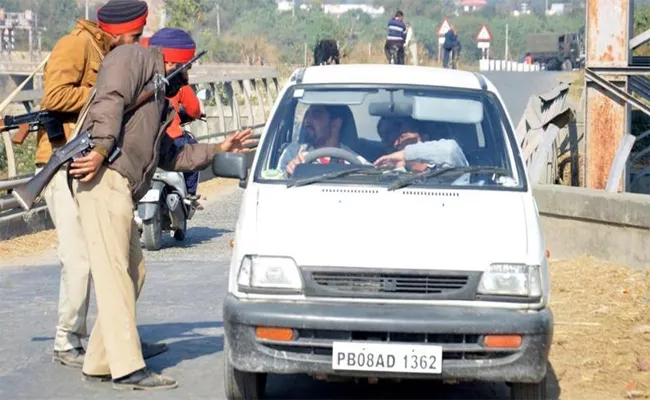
459, 330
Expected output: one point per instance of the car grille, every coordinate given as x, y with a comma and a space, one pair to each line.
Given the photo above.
455, 346
391, 284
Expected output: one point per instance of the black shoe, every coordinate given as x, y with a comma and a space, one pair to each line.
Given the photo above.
152, 349
95, 378
144, 379
72, 358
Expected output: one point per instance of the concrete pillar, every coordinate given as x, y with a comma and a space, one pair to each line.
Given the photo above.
609, 25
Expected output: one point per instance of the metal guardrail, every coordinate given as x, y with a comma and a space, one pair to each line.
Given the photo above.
231, 101
538, 132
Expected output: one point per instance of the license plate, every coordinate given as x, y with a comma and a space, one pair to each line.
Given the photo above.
152, 195
385, 357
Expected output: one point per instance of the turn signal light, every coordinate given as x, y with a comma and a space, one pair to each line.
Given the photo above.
501, 341
277, 334
232, 244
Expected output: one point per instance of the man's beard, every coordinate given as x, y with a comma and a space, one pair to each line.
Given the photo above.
120, 42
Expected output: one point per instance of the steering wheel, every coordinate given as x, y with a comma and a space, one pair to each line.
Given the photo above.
335, 152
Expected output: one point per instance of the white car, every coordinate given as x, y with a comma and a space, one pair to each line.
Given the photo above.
430, 265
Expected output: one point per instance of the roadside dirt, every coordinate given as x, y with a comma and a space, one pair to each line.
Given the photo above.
43, 243
601, 346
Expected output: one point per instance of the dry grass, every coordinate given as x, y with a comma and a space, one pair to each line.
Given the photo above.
213, 187
28, 245
601, 346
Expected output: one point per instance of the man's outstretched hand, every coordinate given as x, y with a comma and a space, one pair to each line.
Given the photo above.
238, 142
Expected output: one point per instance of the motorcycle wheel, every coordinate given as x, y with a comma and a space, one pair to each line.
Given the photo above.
152, 231
179, 235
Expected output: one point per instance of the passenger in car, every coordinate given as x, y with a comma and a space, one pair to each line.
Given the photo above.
435, 152
322, 125
396, 133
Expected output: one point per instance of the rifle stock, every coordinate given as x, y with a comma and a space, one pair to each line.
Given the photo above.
21, 135
27, 194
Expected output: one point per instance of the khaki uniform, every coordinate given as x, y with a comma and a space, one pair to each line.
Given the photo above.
106, 203
68, 77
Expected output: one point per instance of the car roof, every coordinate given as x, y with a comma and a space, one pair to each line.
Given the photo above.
392, 74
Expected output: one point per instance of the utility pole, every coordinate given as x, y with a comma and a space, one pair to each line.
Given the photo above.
86, 9
505, 56
218, 21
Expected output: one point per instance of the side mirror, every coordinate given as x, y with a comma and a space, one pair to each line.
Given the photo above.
230, 165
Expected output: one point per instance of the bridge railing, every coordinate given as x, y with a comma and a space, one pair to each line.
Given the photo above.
231, 101
542, 132
579, 221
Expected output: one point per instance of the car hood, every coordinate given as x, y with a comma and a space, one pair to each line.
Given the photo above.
360, 227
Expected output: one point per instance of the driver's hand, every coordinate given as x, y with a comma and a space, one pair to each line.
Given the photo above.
292, 164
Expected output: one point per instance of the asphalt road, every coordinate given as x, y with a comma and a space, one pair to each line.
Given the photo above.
181, 305
517, 87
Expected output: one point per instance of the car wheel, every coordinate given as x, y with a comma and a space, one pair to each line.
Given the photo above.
528, 391
240, 385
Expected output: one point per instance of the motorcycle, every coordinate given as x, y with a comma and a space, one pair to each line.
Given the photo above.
166, 206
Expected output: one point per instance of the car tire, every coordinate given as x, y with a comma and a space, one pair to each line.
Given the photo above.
528, 391
240, 385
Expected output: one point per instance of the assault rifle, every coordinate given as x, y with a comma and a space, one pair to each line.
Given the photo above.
81, 145
26, 123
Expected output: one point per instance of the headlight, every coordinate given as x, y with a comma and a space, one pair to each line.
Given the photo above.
511, 280
258, 272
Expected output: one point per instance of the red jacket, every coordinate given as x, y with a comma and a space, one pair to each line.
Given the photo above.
192, 106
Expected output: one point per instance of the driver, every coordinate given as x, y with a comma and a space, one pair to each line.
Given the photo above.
322, 125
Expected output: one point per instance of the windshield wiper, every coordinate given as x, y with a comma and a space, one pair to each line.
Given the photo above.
334, 175
408, 180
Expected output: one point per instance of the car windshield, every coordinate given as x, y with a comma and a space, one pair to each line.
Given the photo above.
390, 136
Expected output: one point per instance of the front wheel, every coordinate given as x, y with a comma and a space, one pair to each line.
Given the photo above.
152, 231
240, 385
528, 391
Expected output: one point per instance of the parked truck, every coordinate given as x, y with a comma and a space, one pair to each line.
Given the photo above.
558, 51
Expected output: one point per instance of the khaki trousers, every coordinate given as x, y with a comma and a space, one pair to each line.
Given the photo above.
74, 288
118, 272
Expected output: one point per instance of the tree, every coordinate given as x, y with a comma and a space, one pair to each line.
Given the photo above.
185, 14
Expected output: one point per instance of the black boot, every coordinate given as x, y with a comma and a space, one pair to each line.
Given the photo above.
144, 379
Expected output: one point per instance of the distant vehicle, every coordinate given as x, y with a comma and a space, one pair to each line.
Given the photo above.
558, 51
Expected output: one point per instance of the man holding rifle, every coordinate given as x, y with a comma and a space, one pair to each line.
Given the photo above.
68, 78
127, 121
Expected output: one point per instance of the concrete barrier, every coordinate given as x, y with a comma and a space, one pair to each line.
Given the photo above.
613, 227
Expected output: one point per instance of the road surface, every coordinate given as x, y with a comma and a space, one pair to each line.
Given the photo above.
517, 87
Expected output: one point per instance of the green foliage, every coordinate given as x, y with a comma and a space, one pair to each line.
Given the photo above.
24, 156
186, 13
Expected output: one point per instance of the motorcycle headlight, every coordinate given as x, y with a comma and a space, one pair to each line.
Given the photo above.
274, 273
511, 280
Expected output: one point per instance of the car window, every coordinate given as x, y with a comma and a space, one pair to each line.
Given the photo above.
371, 122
